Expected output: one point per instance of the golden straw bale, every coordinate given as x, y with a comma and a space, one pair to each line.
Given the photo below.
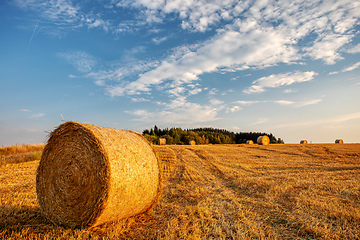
339, 141
303, 142
90, 175
162, 141
249, 142
263, 140
192, 142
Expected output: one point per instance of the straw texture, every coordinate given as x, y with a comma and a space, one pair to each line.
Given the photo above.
249, 142
263, 140
90, 175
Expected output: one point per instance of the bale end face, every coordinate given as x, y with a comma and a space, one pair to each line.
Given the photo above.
162, 141
263, 140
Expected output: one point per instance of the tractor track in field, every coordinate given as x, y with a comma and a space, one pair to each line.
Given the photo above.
222, 186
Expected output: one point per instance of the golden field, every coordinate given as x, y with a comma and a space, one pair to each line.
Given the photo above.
217, 192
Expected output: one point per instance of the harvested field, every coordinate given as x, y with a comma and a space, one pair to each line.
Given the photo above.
218, 191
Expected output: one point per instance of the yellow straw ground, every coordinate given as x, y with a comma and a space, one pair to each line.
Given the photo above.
218, 192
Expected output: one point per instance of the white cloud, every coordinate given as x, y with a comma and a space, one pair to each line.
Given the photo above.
338, 119
25, 110
260, 121
83, 61
56, 16
355, 49
99, 23
37, 115
140, 100
215, 102
327, 48
230, 50
284, 102
298, 104
308, 102
246, 102
256, 35
352, 67
159, 40
179, 111
195, 91
234, 109
289, 91
277, 80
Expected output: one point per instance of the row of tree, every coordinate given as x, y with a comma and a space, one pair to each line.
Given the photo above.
203, 136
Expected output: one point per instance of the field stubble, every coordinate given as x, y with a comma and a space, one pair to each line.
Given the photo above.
220, 192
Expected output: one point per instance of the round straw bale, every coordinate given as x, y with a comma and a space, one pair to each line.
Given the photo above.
339, 141
303, 142
90, 175
162, 141
192, 142
249, 142
263, 140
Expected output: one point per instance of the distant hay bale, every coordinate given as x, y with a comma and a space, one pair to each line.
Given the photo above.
162, 141
303, 142
263, 140
90, 175
192, 142
339, 141
249, 142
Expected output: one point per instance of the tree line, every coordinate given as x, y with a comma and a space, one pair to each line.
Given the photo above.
203, 136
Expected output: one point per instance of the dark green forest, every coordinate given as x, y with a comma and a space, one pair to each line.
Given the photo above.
203, 136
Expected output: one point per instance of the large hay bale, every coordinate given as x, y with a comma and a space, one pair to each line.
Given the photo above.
249, 142
339, 141
303, 142
162, 141
263, 140
192, 142
90, 175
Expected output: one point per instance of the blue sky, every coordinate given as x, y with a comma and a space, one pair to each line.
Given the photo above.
291, 68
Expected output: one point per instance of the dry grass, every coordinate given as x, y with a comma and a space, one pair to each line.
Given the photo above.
20, 153
218, 192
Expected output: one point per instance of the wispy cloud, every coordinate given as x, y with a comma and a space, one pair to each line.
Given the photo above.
284, 102
352, 67
298, 104
37, 115
277, 80
140, 100
158, 40
234, 109
82, 60
246, 102
260, 121
355, 49
289, 91
252, 35
347, 69
178, 111
337, 119
34, 115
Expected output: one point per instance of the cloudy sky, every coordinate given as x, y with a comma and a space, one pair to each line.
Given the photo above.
291, 68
